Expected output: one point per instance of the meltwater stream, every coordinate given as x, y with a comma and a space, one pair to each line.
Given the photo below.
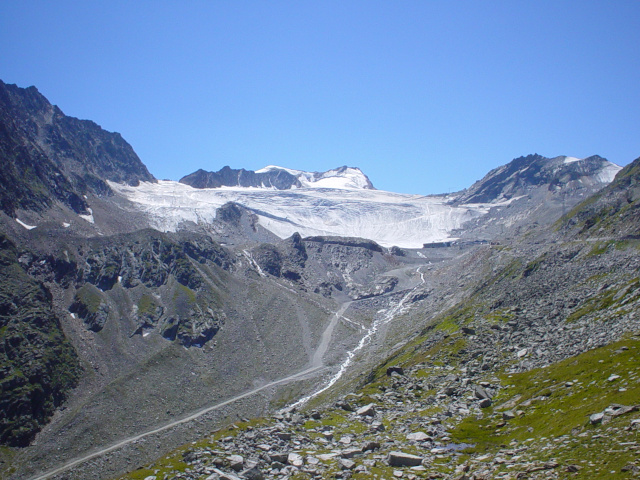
387, 316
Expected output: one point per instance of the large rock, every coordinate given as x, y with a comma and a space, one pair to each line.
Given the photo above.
395, 369
236, 462
401, 459
252, 473
596, 418
481, 393
295, 459
418, 437
367, 411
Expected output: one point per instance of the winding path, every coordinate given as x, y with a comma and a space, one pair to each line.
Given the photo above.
315, 366
193, 416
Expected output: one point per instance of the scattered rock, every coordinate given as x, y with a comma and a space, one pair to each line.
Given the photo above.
295, 459
346, 464
508, 415
481, 393
596, 418
418, 437
236, 462
252, 473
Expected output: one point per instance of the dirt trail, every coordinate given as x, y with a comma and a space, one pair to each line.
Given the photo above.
315, 366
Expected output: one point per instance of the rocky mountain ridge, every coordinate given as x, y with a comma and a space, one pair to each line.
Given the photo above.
522, 174
49, 157
278, 178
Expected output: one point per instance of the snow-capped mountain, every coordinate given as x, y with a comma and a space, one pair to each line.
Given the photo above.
279, 178
343, 177
519, 176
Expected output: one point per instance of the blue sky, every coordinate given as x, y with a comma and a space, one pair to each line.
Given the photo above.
423, 96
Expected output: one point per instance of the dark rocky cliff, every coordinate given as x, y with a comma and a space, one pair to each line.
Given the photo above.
231, 177
48, 157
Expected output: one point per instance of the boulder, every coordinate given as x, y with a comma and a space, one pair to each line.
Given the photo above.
236, 462
367, 411
295, 459
252, 473
279, 457
401, 459
346, 464
350, 452
481, 393
508, 415
418, 437
220, 475
370, 446
395, 369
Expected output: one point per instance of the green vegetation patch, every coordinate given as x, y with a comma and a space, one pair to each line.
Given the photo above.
605, 300
90, 297
552, 407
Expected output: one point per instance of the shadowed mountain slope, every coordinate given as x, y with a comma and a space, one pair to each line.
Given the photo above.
48, 156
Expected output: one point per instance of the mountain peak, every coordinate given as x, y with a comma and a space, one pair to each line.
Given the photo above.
279, 178
518, 176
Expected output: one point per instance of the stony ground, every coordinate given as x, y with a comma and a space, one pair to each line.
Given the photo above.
542, 386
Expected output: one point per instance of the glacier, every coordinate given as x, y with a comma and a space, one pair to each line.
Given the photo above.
390, 219
343, 202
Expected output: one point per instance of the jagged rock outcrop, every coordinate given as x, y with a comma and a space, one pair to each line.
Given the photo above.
229, 177
278, 178
157, 274
90, 305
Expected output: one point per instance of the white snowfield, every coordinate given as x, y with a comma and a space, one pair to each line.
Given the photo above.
608, 173
338, 202
388, 218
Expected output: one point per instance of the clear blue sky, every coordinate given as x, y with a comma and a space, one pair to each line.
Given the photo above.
423, 96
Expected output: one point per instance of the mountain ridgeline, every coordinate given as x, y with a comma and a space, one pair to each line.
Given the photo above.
49, 157
275, 178
137, 316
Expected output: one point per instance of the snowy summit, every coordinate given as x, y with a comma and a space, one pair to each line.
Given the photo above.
341, 178
279, 178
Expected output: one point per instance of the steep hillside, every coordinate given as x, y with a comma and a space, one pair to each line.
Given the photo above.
49, 157
38, 365
284, 288
611, 212
519, 176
